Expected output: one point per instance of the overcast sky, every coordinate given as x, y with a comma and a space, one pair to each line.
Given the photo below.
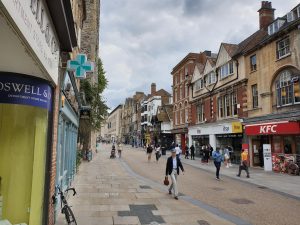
142, 40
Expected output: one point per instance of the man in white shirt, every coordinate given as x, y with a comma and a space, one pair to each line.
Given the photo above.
178, 151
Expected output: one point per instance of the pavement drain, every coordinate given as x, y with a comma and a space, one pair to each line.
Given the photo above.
203, 222
218, 189
144, 213
180, 194
145, 187
241, 201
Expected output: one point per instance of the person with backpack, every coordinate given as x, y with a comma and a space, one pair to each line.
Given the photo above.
218, 158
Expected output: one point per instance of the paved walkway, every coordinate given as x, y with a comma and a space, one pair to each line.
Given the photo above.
281, 183
109, 192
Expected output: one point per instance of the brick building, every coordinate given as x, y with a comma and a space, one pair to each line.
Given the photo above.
182, 74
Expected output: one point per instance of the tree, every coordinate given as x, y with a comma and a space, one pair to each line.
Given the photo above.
94, 100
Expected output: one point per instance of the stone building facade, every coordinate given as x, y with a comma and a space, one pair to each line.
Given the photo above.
90, 47
113, 123
273, 95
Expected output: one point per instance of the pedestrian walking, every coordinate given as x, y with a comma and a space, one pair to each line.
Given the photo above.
172, 169
218, 158
178, 151
157, 153
226, 157
186, 152
120, 148
206, 153
192, 152
149, 152
244, 163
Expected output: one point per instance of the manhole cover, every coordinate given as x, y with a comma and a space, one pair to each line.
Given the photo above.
241, 201
262, 187
145, 187
203, 222
218, 189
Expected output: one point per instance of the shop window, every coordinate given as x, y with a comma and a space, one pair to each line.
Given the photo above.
253, 63
200, 113
254, 96
277, 144
288, 89
287, 144
297, 141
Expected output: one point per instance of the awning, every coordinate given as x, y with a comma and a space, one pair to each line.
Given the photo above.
273, 128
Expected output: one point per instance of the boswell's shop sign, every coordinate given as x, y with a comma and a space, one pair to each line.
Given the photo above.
280, 128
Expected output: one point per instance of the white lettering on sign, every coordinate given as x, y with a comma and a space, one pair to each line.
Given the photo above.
267, 129
225, 128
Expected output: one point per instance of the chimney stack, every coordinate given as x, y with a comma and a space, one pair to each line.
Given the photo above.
266, 14
153, 88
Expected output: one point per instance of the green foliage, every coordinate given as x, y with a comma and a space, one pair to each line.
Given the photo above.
93, 95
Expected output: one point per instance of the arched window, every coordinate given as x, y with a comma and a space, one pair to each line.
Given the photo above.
288, 89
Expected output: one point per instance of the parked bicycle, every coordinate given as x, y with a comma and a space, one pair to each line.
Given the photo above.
65, 208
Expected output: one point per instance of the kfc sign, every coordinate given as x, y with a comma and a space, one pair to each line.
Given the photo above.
266, 129
284, 127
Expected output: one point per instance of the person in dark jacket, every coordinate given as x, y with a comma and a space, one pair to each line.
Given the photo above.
172, 169
192, 152
218, 158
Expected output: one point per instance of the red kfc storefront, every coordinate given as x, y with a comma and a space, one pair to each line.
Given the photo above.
284, 138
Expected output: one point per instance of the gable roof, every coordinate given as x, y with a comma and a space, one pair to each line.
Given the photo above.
165, 114
230, 48
162, 92
250, 42
185, 59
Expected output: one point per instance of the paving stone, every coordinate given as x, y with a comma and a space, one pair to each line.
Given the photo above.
126, 220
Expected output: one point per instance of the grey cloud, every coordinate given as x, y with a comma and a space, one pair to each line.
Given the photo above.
142, 40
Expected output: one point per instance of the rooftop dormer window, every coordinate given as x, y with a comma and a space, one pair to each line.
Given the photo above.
275, 26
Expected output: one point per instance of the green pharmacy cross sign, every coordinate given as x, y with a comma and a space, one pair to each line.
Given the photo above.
80, 66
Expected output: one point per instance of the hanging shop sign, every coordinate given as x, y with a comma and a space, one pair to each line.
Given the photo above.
284, 127
25, 90
34, 22
80, 66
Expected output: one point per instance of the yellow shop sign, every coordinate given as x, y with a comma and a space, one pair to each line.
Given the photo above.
237, 127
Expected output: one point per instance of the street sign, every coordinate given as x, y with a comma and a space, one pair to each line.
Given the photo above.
80, 66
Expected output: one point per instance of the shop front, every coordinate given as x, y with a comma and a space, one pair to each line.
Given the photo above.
29, 63
181, 138
282, 136
218, 136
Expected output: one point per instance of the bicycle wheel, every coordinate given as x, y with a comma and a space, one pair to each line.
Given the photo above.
69, 215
